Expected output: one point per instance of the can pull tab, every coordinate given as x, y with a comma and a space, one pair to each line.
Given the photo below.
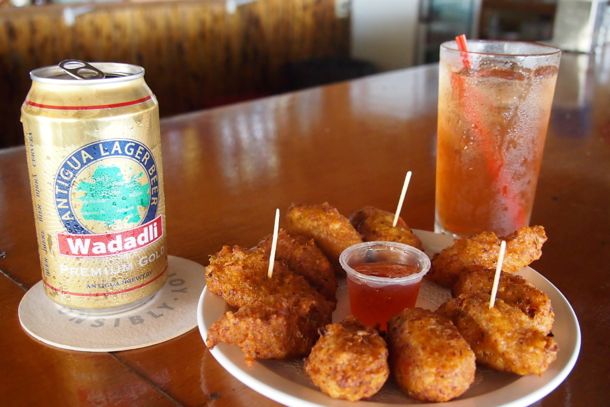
80, 69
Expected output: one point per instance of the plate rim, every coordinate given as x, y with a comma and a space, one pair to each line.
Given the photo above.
280, 396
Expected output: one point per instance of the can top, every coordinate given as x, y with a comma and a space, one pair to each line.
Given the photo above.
114, 72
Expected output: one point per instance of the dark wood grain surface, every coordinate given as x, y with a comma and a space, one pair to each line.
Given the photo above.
197, 54
349, 144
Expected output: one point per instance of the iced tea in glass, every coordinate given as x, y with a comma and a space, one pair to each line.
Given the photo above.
493, 112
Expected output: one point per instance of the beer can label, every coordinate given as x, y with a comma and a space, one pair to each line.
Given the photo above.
102, 239
107, 185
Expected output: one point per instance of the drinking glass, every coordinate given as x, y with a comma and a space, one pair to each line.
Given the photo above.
493, 112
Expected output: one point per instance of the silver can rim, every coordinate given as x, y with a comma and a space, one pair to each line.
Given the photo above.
124, 72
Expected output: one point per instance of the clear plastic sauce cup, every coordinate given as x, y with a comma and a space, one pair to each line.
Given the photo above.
383, 278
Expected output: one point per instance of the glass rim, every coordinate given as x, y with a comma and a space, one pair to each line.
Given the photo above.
422, 257
452, 47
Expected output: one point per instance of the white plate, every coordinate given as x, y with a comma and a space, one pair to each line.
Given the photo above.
287, 383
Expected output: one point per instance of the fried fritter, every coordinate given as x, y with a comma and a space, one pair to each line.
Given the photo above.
305, 258
481, 252
501, 337
331, 231
278, 328
513, 290
430, 360
349, 361
376, 224
278, 317
240, 277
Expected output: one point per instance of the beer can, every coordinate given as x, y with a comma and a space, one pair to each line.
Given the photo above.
94, 158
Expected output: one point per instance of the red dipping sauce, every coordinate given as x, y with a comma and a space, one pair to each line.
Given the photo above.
376, 305
383, 278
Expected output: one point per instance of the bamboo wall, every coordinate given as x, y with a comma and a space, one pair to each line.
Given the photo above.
197, 54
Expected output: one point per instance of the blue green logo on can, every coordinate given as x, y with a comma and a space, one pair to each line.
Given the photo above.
107, 186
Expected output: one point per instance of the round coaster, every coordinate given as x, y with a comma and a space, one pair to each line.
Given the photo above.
170, 313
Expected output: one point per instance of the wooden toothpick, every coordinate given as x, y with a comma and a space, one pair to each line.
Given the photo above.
402, 198
494, 289
276, 228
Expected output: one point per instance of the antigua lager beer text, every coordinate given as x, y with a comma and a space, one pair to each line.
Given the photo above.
94, 158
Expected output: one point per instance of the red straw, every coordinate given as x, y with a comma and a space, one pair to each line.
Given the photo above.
494, 164
463, 47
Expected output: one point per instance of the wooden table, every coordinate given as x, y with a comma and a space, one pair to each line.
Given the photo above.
349, 144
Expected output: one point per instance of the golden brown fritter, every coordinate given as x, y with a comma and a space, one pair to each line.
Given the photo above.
501, 337
481, 252
349, 361
429, 358
278, 328
240, 277
375, 224
278, 317
331, 231
303, 257
513, 290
